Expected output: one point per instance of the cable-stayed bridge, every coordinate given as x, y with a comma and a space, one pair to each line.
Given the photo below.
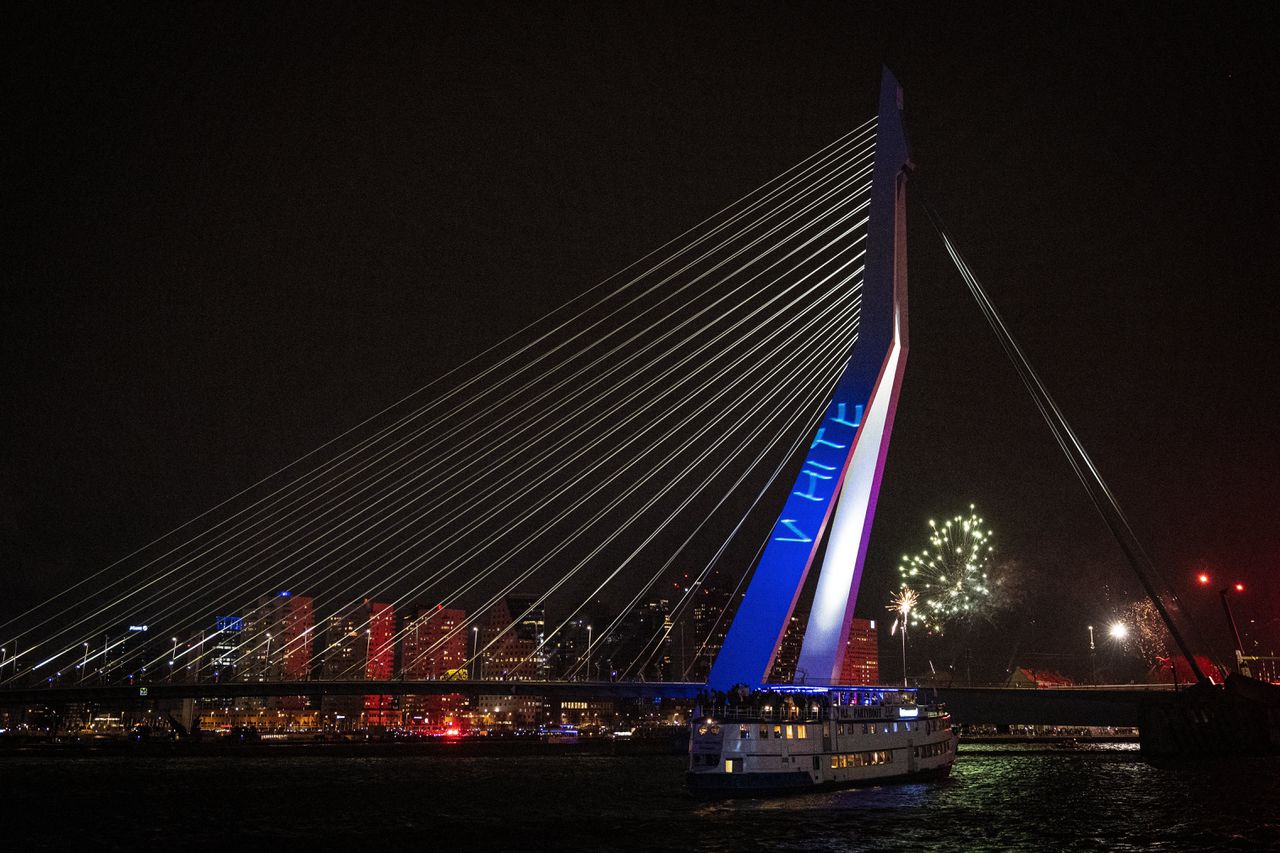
625, 498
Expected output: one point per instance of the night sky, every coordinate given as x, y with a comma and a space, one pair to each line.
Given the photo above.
236, 232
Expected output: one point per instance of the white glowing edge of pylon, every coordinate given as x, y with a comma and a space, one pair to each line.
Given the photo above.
822, 651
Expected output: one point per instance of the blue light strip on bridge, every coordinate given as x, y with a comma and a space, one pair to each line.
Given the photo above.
762, 617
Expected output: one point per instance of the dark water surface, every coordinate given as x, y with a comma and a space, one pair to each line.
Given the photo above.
1106, 800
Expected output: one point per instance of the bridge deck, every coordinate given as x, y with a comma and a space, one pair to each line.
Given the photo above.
1076, 706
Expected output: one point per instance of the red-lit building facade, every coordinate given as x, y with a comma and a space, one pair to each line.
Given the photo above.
360, 646
435, 644
275, 639
434, 647
861, 654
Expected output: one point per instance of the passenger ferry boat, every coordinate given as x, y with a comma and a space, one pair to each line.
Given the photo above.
786, 739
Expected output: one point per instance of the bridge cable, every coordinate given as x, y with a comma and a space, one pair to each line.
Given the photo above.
857, 133
68, 649
1095, 486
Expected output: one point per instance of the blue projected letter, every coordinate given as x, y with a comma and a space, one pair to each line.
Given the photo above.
819, 440
857, 415
790, 524
814, 477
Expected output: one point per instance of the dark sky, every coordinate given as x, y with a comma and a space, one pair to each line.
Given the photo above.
237, 231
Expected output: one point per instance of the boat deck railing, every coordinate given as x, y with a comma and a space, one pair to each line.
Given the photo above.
763, 713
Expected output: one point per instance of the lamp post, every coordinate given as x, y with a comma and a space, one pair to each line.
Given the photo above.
475, 650
588, 653
200, 657
1093, 660
266, 662
1241, 666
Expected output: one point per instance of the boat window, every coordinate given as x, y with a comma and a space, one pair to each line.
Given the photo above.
790, 733
864, 728
802, 732
742, 731
826, 730
835, 762
895, 727
764, 732
728, 765
777, 731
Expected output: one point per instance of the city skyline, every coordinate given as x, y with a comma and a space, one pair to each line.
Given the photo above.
79, 515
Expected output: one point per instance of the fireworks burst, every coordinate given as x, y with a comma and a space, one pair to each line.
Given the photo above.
904, 601
952, 573
1146, 630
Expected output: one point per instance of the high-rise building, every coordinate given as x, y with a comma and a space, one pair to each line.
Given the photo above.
710, 625
640, 643
225, 647
784, 662
511, 640
275, 639
569, 660
435, 645
862, 654
360, 646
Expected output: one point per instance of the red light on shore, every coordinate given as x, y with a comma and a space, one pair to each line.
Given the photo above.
1239, 587
1203, 578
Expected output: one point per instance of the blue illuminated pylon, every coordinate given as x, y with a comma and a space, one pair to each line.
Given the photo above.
842, 470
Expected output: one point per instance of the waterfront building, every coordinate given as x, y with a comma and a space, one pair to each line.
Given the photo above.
569, 658
583, 713
435, 646
360, 646
861, 663
511, 638
275, 639
710, 626
862, 654
510, 713
784, 662
642, 636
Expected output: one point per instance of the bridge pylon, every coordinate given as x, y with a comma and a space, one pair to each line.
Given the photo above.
834, 496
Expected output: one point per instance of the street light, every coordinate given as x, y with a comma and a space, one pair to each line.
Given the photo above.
1093, 659
588, 653
475, 649
1118, 631
1241, 666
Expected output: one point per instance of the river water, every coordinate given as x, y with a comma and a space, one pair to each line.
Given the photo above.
996, 799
